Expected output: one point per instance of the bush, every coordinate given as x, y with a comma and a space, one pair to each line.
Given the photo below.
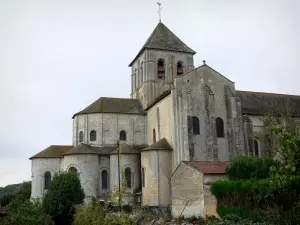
238, 213
6, 199
244, 167
26, 212
127, 208
64, 193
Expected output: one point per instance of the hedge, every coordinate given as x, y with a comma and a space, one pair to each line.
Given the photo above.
245, 167
257, 194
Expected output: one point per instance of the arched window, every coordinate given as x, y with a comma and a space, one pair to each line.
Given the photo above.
179, 68
256, 148
93, 135
47, 180
104, 178
72, 170
80, 136
128, 177
161, 68
154, 136
220, 127
143, 177
122, 135
196, 128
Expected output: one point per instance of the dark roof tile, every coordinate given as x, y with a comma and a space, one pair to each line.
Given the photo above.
164, 39
53, 151
209, 167
162, 144
113, 105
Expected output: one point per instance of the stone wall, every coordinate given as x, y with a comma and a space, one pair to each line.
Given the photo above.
146, 86
187, 192
38, 169
108, 127
158, 171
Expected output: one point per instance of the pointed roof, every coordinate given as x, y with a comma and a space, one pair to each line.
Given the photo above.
113, 105
164, 39
162, 144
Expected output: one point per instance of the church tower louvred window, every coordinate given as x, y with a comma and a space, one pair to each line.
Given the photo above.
161, 68
179, 68
196, 127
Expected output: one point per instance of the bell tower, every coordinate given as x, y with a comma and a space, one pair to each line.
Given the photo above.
162, 58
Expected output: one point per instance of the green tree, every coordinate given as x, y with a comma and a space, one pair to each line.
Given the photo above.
117, 194
25, 213
63, 195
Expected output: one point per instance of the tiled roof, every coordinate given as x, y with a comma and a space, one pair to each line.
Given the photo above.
164, 39
113, 105
53, 151
259, 103
209, 167
57, 151
162, 144
126, 149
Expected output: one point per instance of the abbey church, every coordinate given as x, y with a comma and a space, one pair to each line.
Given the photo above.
173, 136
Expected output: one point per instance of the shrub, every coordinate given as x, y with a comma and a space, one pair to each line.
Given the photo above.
92, 213
244, 167
64, 193
26, 212
6, 199
238, 213
127, 208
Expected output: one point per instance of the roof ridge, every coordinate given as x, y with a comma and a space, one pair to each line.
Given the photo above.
269, 93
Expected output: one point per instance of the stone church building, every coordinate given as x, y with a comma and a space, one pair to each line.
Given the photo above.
179, 120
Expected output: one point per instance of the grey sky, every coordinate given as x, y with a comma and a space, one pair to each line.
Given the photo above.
58, 56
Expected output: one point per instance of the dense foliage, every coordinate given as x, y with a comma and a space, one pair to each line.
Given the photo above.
22, 193
9, 189
25, 213
63, 195
243, 167
95, 213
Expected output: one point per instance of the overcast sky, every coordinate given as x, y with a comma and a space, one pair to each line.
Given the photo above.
58, 56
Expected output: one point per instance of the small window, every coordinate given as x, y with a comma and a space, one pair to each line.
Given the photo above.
179, 69
154, 136
93, 135
220, 127
122, 135
256, 148
128, 177
143, 177
72, 170
161, 68
104, 178
47, 177
196, 128
80, 136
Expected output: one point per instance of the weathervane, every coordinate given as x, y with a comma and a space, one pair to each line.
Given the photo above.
159, 10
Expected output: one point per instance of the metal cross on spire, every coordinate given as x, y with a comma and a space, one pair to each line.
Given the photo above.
159, 10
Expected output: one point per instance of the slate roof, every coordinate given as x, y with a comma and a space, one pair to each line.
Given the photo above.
164, 39
58, 151
113, 105
259, 103
209, 167
53, 151
162, 144
126, 149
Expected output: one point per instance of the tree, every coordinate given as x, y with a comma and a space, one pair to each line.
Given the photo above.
64, 193
26, 212
117, 194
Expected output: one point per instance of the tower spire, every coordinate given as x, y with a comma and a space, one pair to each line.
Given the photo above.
159, 10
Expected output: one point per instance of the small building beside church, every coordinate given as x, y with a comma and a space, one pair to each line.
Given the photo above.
178, 120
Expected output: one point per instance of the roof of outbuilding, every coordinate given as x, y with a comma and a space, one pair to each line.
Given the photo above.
113, 105
53, 151
209, 167
162, 144
162, 38
259, 103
